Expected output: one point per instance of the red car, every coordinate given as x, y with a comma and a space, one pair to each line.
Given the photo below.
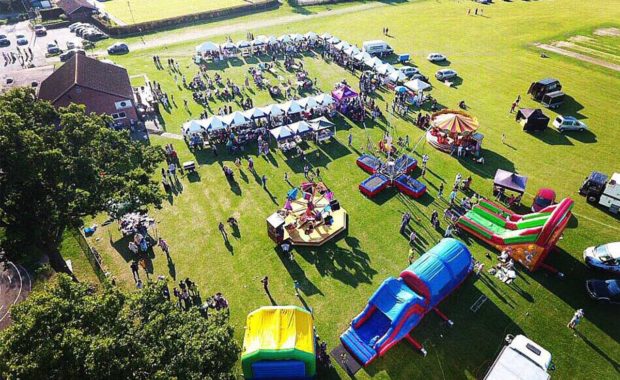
544, 198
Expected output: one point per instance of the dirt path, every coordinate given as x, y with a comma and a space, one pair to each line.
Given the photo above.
192, 35
581, 57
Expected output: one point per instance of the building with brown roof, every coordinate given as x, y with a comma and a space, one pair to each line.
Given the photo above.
77, 10
104, 88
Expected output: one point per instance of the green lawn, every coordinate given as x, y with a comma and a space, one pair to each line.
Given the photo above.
136, 11
495, 60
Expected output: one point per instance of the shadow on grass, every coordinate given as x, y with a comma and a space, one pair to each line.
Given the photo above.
350, 266
307, 287
571, 289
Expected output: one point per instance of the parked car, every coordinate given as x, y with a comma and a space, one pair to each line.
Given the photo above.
95, 36
80, 29
4, 42
419, 76
604, 290
74, 26
605, 257
377, 48
408, 71
569, 123
444, 74
40, 31
436, 57
64, 57
544, 198
52, 48
598, 188
118, 48
21, 39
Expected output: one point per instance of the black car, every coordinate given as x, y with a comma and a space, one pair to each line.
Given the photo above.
118, 48
420, 77
604, 290
64, 57
5, 42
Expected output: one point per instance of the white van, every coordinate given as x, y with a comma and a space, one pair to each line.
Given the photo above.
377, 48
521, 359
611, 195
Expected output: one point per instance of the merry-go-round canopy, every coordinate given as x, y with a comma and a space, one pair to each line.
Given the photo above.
454, 122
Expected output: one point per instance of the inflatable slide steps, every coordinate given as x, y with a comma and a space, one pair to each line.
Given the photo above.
356, 347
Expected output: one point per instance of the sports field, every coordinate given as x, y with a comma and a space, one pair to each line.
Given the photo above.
495, 57
136, 11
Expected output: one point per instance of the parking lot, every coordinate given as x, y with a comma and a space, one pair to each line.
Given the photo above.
38, 45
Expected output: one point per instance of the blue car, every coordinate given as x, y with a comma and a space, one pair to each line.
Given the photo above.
604, 290
605, 257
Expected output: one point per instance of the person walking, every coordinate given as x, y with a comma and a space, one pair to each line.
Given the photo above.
164, 246
264, 181
222, 229
350, 139
172, 169
513, 107
251, 164
265, 282
452, 196
572, 324
286, 177
404, 223
297, 287
440, 192
412, 237
457, 180
134, 271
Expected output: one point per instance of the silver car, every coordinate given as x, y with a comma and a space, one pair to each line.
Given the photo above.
605, 257
569, 123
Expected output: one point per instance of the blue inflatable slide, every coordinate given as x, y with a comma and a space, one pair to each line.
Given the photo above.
399, 305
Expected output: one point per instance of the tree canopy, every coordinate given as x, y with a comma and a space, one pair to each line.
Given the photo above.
67, 331
58, 165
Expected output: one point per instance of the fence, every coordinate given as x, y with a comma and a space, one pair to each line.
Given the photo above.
175, 22
92, 255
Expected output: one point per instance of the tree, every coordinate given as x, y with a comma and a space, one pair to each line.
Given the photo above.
68, 331
59, 165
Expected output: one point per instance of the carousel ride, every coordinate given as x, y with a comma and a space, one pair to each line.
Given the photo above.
450, 129
311, 216
393, 171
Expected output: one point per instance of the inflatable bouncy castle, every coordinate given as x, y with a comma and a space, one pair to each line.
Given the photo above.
527, 238
399, 305
279, 344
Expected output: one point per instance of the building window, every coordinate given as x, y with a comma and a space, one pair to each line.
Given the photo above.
118, 116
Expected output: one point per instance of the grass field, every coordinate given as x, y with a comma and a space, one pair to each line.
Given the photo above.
496, 61
136, 11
